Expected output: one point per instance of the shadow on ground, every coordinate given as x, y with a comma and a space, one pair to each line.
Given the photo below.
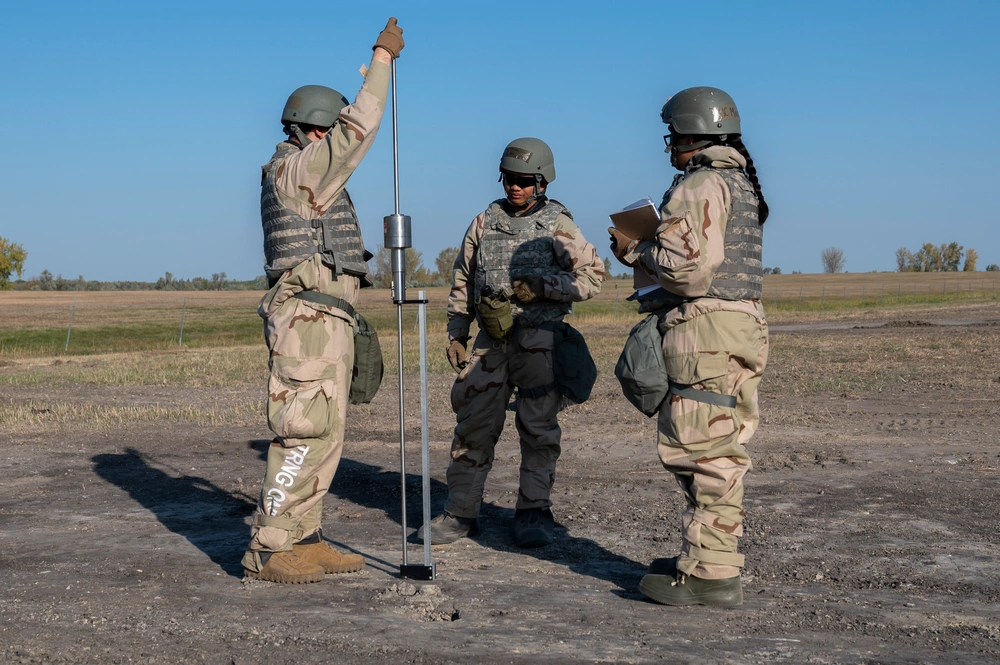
193, 507
375, 487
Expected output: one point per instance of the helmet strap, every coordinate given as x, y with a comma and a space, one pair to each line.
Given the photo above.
293, 129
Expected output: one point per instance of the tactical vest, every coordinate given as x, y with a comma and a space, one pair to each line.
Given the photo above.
740, 276
289, 239
520, 246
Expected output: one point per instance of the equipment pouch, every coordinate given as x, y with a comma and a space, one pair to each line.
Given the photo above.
366, 376
572, 364
495, 317
641, 370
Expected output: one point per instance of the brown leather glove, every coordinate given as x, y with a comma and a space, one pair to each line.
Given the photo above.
457, 354
528, 287
621, 244
391, 39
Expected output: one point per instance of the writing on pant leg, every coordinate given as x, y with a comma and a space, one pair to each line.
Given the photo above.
285, 478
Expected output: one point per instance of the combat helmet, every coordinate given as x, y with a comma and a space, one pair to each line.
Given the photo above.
311, 105
529, 156
701, 111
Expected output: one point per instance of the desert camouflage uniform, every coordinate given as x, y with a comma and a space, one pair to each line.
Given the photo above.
311, 345
715, 344
483, 389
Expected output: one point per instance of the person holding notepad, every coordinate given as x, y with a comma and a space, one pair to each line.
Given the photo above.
704, 261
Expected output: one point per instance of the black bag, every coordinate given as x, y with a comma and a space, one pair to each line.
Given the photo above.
366, 376
641, 370
572, 364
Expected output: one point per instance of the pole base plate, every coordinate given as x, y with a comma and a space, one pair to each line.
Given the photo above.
415, 571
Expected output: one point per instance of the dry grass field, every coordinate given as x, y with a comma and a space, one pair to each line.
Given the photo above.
131, 467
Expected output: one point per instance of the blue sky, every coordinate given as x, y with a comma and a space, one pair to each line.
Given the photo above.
134, 132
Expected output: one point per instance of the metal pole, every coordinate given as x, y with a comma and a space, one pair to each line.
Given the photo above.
614, 315
180, 340
398, 239
402, 426
72, 310
425, 470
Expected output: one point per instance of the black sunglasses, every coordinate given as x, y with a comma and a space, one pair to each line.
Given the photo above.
522, 181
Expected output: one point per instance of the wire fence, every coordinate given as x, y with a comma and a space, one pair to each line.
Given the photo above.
46, 324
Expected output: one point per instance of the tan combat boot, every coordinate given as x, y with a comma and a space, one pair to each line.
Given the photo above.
286, 568
314, 550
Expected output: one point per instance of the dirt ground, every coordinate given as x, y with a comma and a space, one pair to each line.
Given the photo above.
871, 527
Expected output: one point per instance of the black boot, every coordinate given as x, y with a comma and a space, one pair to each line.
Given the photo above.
446, 528
533, 527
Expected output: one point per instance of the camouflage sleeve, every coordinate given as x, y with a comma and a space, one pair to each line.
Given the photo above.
461, 309
689, 242
310, 179
582, 270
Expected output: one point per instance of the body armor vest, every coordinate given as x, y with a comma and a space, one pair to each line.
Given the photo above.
520, 246
740, 276
289, 239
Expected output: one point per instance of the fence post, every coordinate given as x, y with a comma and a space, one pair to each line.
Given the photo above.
72, 310
180, 339
822, 297
899, 288
614, 315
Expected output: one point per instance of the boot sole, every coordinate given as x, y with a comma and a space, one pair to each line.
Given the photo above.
284, 579
344, 568
532, 539
651, 590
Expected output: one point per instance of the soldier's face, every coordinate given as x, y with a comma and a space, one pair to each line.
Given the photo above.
520, 188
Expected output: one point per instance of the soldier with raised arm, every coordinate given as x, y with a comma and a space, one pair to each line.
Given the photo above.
316, 262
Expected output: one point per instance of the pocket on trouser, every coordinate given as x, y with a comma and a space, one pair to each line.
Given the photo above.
693, 424
480, 375
300, 398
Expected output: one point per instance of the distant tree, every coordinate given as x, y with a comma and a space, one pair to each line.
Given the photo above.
607, 268
904, 260
444, 264
772, 271
12, 256
992, 268
833, 260
971, 259
260, 283
218, 281
932, 258
382, 268
796, 272
45, 281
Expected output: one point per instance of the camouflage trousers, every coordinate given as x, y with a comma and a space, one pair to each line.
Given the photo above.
479, 398
703, 444
311, 355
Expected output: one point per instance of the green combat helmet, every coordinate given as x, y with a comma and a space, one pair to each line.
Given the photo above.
311, 105
530, 157
701, 111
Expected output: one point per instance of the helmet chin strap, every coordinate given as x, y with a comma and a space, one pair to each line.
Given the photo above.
535, 191
293, 129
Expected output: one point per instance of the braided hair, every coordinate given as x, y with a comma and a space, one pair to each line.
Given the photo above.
736, 142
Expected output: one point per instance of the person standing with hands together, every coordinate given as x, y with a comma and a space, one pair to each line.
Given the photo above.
521, 265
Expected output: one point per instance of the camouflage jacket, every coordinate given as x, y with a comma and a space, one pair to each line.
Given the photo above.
309, 180
690, 242
579, 275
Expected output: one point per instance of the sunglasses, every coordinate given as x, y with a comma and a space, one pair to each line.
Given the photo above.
522, 181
